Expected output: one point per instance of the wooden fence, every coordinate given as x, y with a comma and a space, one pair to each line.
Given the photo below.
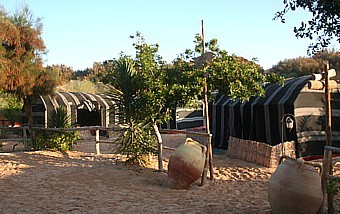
201, 137
257, 152
83, 131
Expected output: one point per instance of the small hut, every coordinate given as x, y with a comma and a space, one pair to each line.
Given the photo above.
259, 119
84, 109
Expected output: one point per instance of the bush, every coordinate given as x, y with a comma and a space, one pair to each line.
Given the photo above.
137, 143
58, 140
10, 107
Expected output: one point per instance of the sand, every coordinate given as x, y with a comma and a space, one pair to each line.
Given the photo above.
78, 181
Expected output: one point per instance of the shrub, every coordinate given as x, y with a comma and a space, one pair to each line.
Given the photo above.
137, 143
57, 140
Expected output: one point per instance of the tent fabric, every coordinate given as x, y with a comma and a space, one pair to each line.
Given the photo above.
76, 103
259, 118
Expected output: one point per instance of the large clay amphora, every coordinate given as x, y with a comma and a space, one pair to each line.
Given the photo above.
295, 187
186, 164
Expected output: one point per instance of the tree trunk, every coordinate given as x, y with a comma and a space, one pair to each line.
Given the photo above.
173, 121
159, 147
29, 114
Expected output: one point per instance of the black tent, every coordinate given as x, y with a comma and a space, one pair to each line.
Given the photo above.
259, 119
84, 109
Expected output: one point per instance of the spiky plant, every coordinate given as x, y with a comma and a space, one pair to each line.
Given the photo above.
58, 140
137, 140
58, 118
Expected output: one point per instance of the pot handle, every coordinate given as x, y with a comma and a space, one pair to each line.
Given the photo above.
311, 163
301, 162
284, 157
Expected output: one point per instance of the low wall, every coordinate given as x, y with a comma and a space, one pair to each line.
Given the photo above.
259, 153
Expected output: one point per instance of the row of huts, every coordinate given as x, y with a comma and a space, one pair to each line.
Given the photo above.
258, 119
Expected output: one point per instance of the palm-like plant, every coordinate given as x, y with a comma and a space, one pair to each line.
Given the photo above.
137, 140
58, 118
58, 140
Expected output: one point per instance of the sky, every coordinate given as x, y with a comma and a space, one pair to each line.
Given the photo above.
78, 33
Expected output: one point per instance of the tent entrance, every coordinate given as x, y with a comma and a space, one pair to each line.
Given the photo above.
88, 118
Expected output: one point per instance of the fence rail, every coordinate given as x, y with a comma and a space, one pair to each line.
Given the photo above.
97, 139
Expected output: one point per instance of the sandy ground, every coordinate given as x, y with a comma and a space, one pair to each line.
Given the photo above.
81, 182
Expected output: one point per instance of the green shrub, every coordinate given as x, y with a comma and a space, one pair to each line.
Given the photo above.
10, 107
137, 143
57, 140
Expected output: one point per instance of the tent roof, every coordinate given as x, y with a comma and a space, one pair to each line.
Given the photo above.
81, 100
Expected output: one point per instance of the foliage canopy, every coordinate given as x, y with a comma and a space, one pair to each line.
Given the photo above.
21, 68
146, 89
324, 24
307, 65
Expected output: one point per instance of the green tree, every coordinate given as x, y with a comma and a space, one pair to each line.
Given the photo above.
324, 23
61, 73
332, 56
307, 65
21, 68
10, 107
146, 89
231, 75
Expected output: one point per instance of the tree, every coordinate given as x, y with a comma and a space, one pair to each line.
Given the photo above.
62, 73
324, 24
307, 65
146, 88
21, 68
232, 75
126, 91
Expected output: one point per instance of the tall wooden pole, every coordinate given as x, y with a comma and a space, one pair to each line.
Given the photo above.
328, 134
207, 124
327, 153
328, 107
203, 48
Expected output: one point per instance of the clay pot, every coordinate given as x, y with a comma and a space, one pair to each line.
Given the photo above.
186, 164
295, 187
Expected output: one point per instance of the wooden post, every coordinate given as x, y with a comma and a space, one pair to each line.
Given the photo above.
203, 48
97, 142
328, 158
206, 164
24, 133
206, 120
326, 162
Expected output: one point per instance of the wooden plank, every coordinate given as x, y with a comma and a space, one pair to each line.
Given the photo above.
257, 156
333, 149
268, 156
165, 131
249, 148
14, 139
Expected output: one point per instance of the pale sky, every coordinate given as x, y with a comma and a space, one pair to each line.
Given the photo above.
78, 33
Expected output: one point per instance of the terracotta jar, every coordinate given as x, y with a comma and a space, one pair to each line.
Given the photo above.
295, 187
186, 164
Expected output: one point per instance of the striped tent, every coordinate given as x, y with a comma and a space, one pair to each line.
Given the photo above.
84, 109
259, 119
